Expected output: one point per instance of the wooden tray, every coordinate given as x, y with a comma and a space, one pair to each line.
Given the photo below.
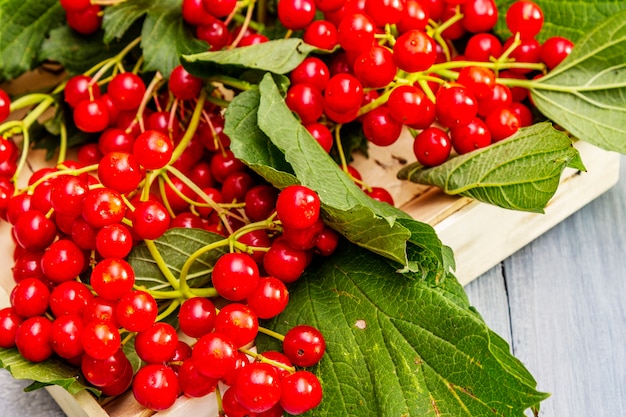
480, 235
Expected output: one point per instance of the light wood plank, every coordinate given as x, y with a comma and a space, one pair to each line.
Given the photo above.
566, 293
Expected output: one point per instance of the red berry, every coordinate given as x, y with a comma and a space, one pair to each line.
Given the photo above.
10, 321
66, 336
157, 344
238, 322
295, 14
414, 51
298, 207
470, 137
126, 90
257, 387
30, 297
304, 345
300, 392
235, 276
215, 355
554, 50
100, 339
432, 147
153, 149
136, 311
33, 339
196, 317
62, 261
269, 298
155, 386
91, 116
524, 17
120, 171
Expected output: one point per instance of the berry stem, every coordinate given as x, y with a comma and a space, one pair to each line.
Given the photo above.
271, 333
191, 128
169, 310
260, 358
244, 25
184, 288
156, 255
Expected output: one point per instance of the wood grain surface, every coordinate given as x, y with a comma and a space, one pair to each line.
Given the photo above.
559, 301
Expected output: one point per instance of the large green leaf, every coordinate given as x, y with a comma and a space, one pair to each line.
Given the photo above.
586, 94
520, 173
362, 220
78, 53
24, 25
52, 371
399, 346
571, 19
175, 247
277, 56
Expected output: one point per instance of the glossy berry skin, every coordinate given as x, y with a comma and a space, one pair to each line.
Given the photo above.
103, 206
80, 87
257, 387
126, 90
380, 128
30, 297
5, 105
298, 207
150, 219
114, 241
91, 116
414, 51
68, 193
524, 17
157, 344
155, 387
300, 392
356, 32
479, 15
311, 71
215, 355
136, 311
410, 106
238, 322
344, 93
456, 106
260, 202
66, 334
70, 298
192, 383
304, 345
269, 298
33, 339
470, 137
153, 149
295, 14
10, 321
375, 67
120, 171
502, 123
219, 8
284, 262
321, 34
554, 50
483, 46
384, 12
85, 21
112, 278
183, 85
235, 275
62, 261
432, 147
380, 194
479, 80
528, 51
100, 340
321, 134
34, 231
306, 101
102, 372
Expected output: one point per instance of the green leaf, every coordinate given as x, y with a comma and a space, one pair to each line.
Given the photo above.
400, 346
277, 56
362, 220
250, 144
118, 18
52, 371
165, 37
25, 24
78, 53
520, 173
571, 19
586, 93
175, 247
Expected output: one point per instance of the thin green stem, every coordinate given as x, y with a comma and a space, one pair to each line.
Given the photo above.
169, 310
191, 127
260, 358
204, 292
184, 288
156, 255
27, 101
62, 144
271, 333
23, 156
233, 82
160, 295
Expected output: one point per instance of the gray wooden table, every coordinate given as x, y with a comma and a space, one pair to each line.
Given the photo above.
560, 302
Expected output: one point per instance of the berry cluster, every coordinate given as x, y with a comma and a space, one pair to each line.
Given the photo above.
398, 65
84, 16
160, 160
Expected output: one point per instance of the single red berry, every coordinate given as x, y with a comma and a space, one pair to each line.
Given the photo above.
10, 321
112, 278
215, 355
295, 14
192, 382
306, 101
321, 34
102, 372
120, 171
219, 8
304, 345
235, 275
30, 297
114, 241
238, 322
62, 261
153, 149
68, 193
215, 33
33, 339
483, 46
375, 67
260, 202
479, 80
456, 106
432, 147
257, 387
525, 17
298, 207
311, 71
269, 298
33, 231
5, 106
103, 206
157, 344
554, 50
356, 32
409, 105
85, 21
502, 123
194, 13
501, 96
183, 85
321, 134
470, 137
284, 262
343, 93
66, 336
126, 90
155, 387
380, 128
70, 298
100, 340
479, 15
196, 317
414, 51
91, 116
300, 392
380, 194
136, 311
150, 219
